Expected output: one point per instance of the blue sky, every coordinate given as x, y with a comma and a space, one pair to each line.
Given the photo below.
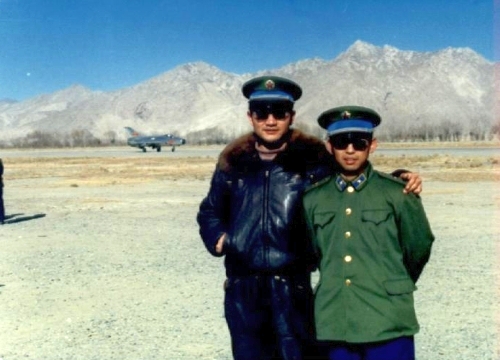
48, 45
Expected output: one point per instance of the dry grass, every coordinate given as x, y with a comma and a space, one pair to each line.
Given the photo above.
440, 144
444, 167
99, 171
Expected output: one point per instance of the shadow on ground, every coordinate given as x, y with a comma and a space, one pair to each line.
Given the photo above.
15, 218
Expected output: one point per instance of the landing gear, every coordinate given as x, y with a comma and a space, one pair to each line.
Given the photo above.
173, 148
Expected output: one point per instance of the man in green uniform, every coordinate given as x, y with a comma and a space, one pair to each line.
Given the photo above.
372, 243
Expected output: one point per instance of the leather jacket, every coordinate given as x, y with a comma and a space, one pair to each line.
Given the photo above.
258, 204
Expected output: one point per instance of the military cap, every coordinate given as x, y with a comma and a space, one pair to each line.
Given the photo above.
349, 118
271, 88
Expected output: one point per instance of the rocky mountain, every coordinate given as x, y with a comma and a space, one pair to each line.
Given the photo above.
444, 93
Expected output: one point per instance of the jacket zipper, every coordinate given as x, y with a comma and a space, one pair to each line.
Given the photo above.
265, 213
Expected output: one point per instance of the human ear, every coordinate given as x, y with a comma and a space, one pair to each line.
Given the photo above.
249, 116
329, 146
292, 117
373, 145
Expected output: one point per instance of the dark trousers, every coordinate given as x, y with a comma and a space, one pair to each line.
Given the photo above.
402, 348
269, 317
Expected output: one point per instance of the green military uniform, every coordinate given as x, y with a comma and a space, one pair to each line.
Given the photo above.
373, 242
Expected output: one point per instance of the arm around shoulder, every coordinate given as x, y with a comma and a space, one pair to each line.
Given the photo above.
413, 181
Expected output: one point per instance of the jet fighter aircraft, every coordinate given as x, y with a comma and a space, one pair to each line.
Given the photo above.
142, 141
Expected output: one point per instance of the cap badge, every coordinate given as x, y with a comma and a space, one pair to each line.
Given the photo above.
346, 115
270, 85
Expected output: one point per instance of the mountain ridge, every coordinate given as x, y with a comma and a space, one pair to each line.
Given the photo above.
451, 89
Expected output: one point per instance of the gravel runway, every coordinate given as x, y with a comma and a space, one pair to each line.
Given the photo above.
119, 272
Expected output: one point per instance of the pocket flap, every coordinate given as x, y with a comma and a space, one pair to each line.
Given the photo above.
375, 216
399, 286
324, 218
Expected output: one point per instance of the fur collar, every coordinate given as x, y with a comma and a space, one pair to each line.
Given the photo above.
302, 151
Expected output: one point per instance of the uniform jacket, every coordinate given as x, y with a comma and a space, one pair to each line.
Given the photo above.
372, 242
258, 205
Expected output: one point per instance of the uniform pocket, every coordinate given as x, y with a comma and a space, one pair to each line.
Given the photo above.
375, 216
399, 286
321, 219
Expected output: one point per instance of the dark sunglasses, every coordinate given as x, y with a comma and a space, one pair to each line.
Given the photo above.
279, 112
341, 142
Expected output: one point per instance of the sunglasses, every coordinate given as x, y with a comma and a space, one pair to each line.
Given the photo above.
341, 142
278, 111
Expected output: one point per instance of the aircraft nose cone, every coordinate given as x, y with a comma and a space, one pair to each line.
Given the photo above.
183, 141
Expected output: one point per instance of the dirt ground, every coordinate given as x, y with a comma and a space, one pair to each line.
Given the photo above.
101, 259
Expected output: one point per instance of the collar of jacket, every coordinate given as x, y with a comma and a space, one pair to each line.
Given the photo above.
302, 152
358, 184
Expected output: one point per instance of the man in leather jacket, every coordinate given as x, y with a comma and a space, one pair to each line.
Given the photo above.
252, 216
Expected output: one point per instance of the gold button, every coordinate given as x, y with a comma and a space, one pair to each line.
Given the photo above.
348, 282
348, 258
350, 189
347, 234
348, 211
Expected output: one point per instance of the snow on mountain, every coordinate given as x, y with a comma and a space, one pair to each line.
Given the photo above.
411, 90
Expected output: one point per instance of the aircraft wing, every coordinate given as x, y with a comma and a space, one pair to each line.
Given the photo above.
155, 142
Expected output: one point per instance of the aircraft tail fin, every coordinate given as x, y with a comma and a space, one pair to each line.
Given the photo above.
132, 132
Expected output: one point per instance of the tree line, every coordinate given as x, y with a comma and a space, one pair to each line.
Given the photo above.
444, 132
77, 138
